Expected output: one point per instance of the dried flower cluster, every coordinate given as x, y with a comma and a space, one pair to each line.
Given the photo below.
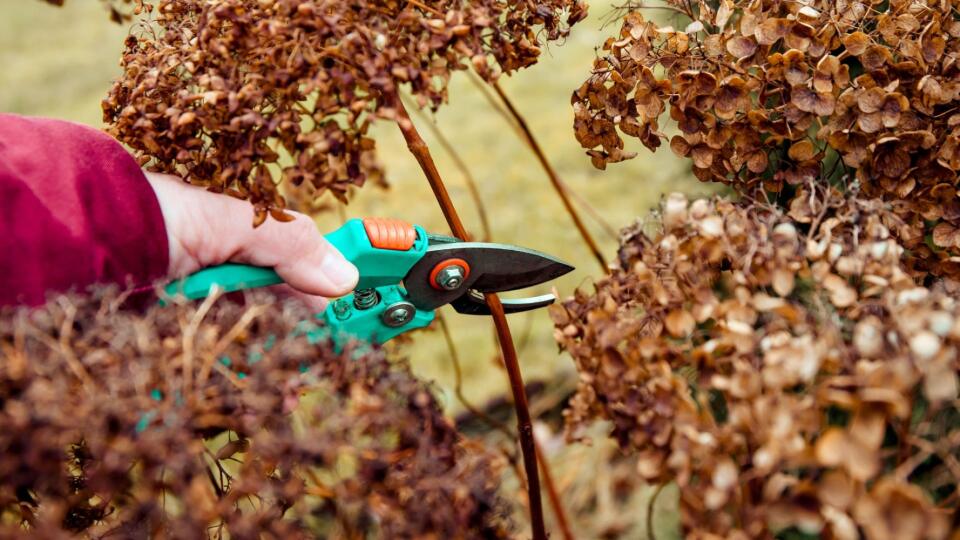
782, 361
178, 422
780, 366
239, 95
769, 95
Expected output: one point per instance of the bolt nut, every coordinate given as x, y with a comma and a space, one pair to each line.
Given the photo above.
451, 277
341, 308
398, 314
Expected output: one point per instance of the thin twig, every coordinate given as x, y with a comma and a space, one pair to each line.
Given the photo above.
213, 479
527, 331
498, 106
592, 212
424, 7
524, 422
227, 339
421, 152
653, 499
458, 383
553, 494
66, 330
461, 165
190, 333
495, 103
554, 178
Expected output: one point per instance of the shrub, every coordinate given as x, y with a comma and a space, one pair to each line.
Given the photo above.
781, 367
179, 420
789, 359
772, 96
218, 92
243, 96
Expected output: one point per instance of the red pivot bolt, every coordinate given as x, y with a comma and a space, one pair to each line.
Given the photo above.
449, 275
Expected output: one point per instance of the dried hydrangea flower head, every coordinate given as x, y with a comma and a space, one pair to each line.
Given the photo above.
774, 95
239, 95
180, 420
781, 367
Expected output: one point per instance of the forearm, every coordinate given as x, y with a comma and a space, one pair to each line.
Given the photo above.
75, 209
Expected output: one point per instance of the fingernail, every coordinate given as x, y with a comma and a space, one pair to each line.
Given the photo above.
340, 272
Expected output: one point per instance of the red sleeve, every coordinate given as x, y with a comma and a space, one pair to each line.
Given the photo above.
75, 209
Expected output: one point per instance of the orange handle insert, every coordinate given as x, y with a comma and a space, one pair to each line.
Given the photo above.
390, 233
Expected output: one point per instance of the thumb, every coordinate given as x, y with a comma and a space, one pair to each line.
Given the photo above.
206, 229
301, 256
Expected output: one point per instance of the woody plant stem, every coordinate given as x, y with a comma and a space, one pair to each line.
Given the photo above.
554, 178
421, 152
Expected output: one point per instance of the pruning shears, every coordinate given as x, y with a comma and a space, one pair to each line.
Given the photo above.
405, 275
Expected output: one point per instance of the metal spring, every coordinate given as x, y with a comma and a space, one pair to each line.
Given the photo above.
365, 298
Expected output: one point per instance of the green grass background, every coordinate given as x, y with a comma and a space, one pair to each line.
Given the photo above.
60, 63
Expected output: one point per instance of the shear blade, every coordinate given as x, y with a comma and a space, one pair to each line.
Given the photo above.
473, 303
493, 268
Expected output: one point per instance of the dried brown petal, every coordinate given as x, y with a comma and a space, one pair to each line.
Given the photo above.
856, 43
679, 323
741, 46
770, 30
802, 150
807, 100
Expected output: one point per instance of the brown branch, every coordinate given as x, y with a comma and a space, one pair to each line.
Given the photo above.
650, 504
524, 426
464, 170
554, 178
458, 383
498, 106
592, 212
494, 103
553, 494
424, 7
524, 422
420, 151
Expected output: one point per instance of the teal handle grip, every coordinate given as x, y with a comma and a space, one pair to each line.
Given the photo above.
380, 269
229, 277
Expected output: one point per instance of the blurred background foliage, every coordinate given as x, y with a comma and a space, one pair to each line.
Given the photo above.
60, 63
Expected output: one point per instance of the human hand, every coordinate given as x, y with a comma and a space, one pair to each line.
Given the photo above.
206, 229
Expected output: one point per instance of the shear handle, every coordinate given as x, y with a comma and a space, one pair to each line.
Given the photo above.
382, 250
